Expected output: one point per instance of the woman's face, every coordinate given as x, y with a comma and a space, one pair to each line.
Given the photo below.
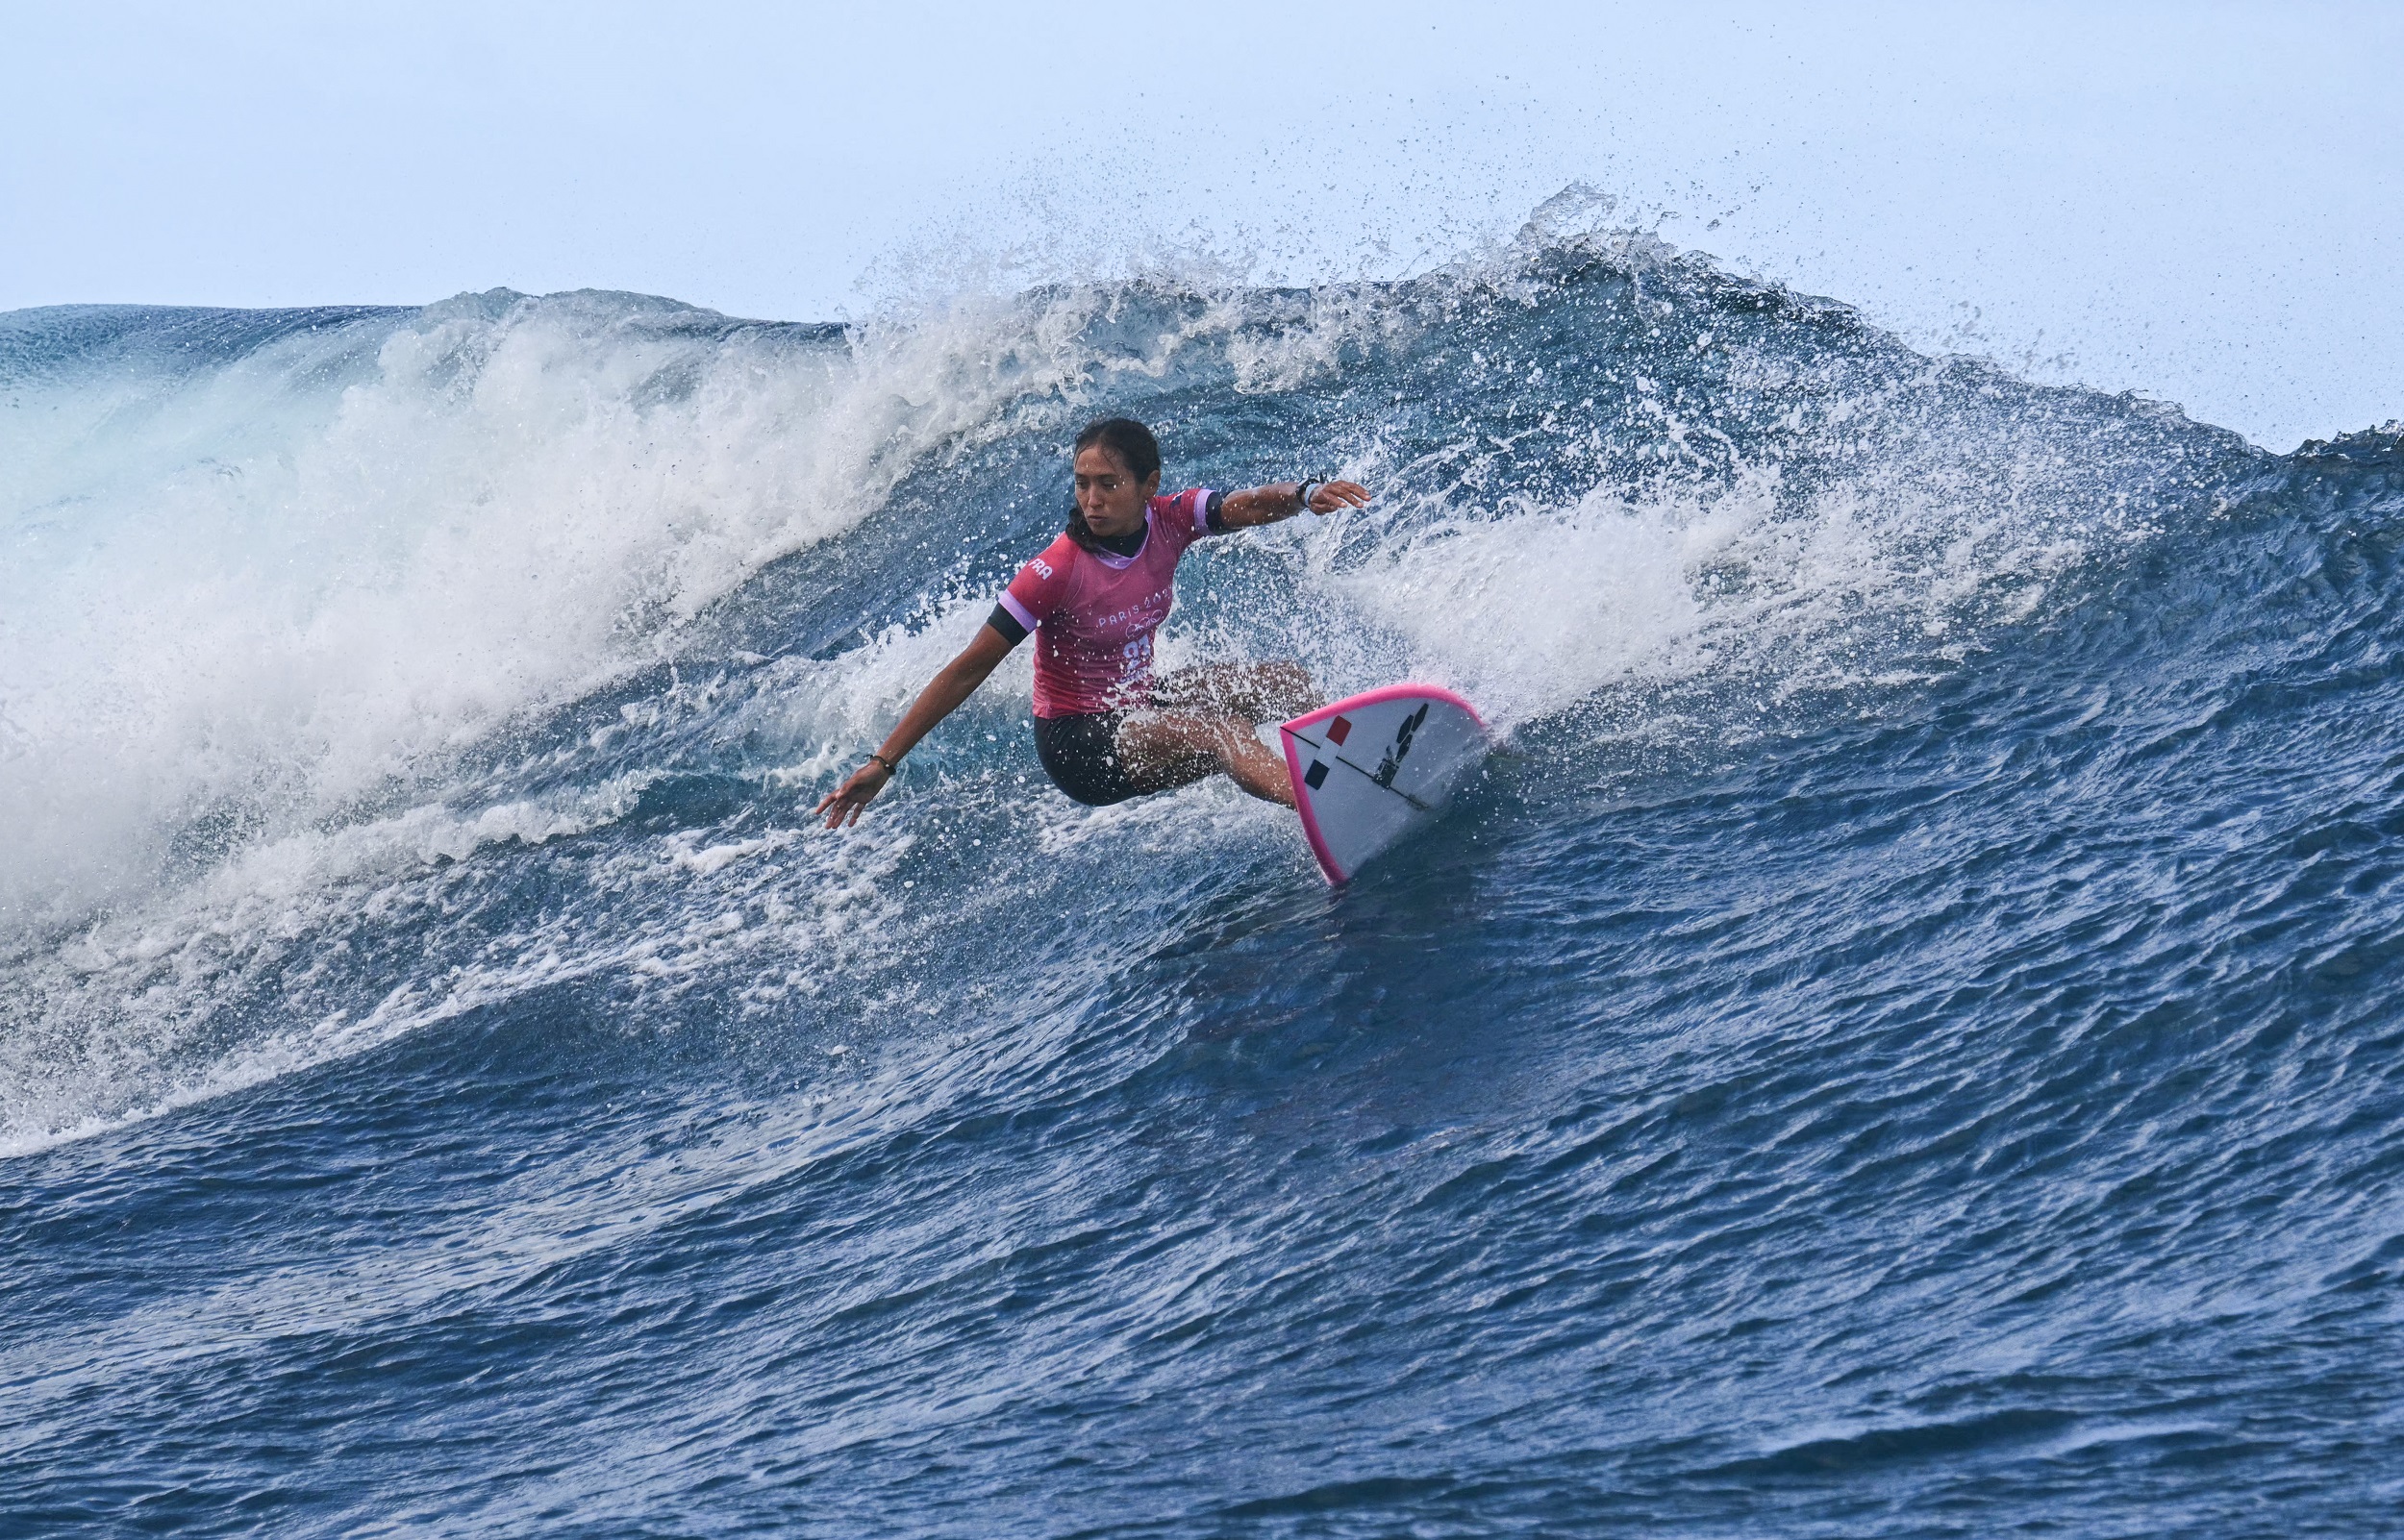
1108, 493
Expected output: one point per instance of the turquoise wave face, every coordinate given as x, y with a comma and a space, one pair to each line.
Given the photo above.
1903, 1027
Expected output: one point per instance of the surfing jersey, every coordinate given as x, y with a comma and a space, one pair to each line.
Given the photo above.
1093, 614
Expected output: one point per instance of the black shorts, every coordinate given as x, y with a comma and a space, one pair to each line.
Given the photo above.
1081, 756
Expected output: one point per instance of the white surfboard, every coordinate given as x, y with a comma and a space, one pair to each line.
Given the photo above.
1370, 769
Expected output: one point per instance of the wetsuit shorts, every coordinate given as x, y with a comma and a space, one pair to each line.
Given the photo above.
1081, 756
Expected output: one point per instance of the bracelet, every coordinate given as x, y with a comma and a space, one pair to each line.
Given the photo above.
891, 768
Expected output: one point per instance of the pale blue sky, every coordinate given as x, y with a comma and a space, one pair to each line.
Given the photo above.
2201, 202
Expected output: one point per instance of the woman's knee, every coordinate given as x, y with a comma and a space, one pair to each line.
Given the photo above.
1285, 687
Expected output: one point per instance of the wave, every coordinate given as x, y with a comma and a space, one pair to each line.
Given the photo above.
366, 666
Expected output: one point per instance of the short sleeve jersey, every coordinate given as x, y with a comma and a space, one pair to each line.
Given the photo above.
1093, 614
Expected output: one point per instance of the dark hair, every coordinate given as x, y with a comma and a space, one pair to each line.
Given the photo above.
1135, 446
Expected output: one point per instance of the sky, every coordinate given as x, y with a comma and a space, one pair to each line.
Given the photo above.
2200, 203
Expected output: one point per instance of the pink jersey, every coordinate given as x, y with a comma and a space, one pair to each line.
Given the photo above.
1094, 613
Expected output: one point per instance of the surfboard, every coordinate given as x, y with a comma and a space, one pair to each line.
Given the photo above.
1370, 769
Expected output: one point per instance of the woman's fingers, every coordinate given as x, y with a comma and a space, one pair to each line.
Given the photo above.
1329, 496
850, 799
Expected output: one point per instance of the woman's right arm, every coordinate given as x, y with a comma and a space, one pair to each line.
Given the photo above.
958, 680
1283, 500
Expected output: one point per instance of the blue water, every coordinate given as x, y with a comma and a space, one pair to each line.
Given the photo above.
1903, 1042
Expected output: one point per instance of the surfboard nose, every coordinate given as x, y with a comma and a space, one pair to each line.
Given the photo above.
1370, 769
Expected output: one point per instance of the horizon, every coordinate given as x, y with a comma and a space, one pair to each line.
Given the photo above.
2201, 208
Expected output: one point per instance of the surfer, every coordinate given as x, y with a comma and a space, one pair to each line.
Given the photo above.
1105, 727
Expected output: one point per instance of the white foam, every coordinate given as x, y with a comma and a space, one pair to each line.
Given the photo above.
255, 622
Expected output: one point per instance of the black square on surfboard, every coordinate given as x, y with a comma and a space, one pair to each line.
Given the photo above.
1317, 776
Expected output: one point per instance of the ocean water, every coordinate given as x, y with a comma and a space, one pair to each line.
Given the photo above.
1903, 1040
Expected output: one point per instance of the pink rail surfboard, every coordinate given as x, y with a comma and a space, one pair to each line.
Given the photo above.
1368, 770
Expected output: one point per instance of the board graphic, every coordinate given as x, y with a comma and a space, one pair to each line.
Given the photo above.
1370, 769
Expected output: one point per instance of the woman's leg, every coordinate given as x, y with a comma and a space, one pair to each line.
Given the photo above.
1258, 692
1165, 749
1201, 724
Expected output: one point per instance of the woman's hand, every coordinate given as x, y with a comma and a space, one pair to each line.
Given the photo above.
853, 796
1326, 497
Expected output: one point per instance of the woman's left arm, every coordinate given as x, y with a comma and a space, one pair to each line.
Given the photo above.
1283, 500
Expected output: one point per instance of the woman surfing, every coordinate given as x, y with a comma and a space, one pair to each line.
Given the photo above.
1105, 727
